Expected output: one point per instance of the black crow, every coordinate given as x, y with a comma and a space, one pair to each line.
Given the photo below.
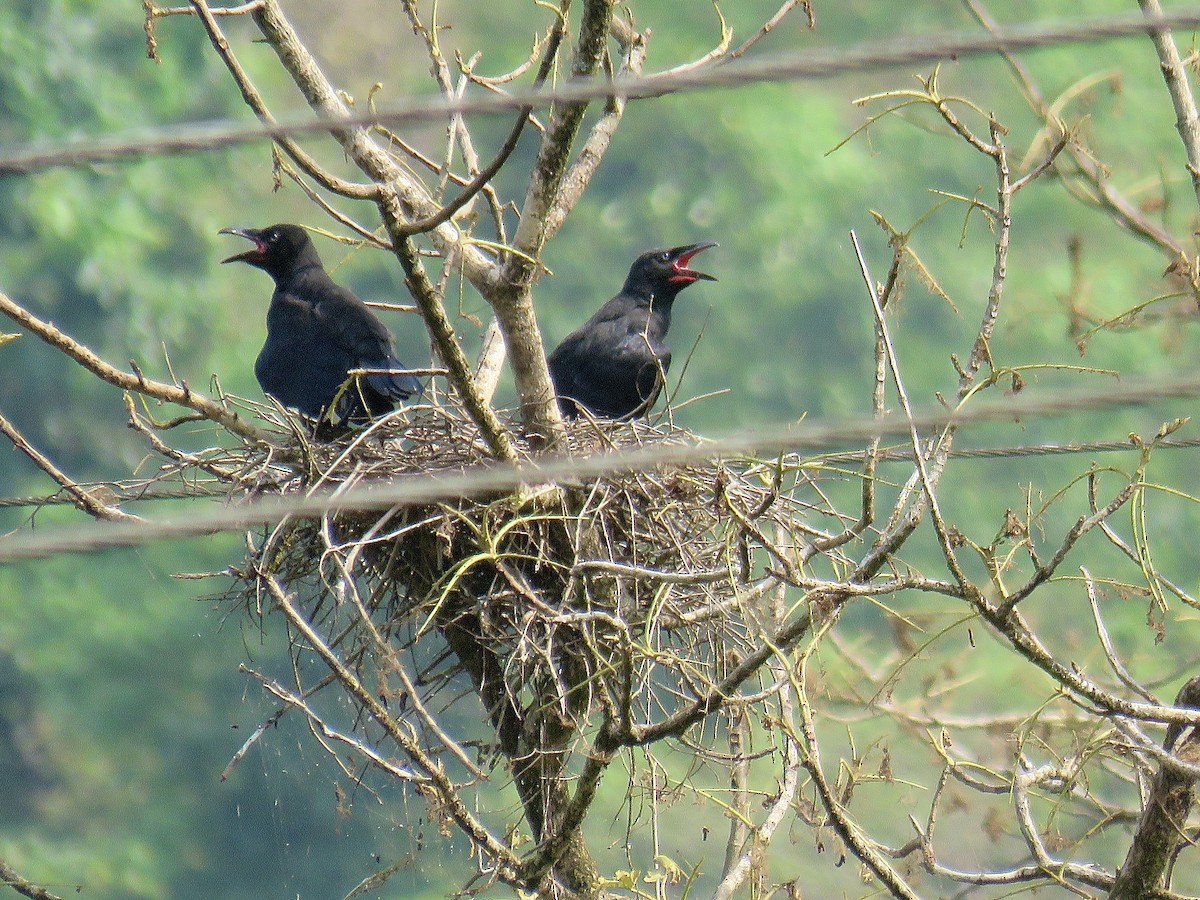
614, 365
317, 331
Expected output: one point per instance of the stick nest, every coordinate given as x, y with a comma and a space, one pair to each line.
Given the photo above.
636, 589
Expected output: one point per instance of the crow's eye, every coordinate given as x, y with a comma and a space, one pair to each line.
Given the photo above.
272, 237
665, 256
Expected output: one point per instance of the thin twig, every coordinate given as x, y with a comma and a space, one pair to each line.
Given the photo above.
928, 478
90, 502
449, 799
1110, 652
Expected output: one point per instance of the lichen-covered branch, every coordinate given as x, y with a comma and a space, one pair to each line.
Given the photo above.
512, 301
1163, 825
981, 351
579, 175
10, 877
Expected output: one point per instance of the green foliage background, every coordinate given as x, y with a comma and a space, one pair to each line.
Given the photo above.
120, 696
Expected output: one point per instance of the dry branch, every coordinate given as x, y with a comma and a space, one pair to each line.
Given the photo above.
545, 630
587, 611
181, 395
1123, 211
9, 877
896, 52
91, 502
1187, 121
1163, 826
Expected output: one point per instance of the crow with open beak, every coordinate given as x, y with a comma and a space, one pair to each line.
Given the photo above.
613, 366
317, 332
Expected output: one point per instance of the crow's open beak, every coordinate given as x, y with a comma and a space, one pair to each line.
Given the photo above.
682, 256
255, 254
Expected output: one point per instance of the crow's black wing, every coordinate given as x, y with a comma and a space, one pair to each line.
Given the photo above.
300, 364
365, 340
609, 366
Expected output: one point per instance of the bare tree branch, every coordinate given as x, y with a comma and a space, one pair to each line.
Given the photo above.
1187, 121
448, 346
24, 886
181, 395
430, 770
256, 103
358, 142
91, 502
1163, 824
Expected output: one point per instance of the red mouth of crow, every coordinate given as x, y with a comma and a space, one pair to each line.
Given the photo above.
683, 273
255, 254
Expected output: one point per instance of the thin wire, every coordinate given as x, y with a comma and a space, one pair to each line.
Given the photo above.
896, 454
495, 476
822, 63
123, 495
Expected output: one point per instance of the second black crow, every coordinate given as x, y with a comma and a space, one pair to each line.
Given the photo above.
317, 331
614, 364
